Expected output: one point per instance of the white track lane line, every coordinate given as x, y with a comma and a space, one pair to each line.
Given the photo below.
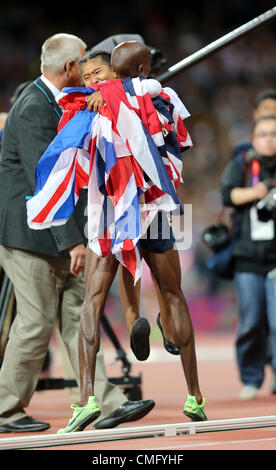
210, 444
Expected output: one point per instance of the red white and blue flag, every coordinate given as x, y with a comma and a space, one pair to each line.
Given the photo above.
121, 156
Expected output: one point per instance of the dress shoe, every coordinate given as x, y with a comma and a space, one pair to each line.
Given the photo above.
128, 411
26, 424
170, 347
139, 339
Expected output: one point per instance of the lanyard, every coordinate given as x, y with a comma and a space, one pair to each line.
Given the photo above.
255, 169
255, 172
49, 99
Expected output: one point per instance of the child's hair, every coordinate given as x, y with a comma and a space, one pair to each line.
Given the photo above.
104, 55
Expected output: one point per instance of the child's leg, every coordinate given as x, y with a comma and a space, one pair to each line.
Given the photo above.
168, 340
139, 328
164, 313
130, 296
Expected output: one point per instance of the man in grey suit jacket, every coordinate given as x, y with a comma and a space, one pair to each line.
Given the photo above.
44, 266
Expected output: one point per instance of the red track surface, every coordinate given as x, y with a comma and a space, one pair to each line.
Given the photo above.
164, 382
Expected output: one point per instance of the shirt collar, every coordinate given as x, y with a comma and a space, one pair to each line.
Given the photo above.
51, 86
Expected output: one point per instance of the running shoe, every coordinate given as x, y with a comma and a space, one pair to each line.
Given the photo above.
82, 416
193, 410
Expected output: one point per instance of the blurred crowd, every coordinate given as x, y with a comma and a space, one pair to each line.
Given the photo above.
219, 93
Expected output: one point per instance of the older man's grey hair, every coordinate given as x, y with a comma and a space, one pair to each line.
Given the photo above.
58, 49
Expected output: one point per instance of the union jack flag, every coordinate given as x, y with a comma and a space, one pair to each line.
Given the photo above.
128, 156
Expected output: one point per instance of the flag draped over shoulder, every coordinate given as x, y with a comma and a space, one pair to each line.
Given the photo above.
61, 173
120, 155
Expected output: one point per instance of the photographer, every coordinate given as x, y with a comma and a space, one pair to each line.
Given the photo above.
247, 183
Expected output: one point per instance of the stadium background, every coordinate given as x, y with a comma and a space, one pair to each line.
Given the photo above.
219, 93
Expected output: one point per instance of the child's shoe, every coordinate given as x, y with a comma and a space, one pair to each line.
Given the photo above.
139, 339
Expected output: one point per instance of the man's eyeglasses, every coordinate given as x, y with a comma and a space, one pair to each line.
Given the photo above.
263, 135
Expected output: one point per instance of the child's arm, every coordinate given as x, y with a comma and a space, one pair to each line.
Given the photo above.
94, 102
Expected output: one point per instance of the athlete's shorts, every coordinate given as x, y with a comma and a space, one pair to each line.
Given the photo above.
159, 236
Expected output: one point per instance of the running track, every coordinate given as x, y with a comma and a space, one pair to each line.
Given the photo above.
162, 380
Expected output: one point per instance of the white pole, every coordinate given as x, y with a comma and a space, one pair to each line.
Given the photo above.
217, 45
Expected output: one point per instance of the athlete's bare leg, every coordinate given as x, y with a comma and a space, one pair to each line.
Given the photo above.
99, 275
175, 318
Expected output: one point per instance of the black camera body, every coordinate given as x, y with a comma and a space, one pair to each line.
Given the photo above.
216, 236
266, 207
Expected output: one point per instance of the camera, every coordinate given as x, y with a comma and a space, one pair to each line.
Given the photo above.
216, 236
266, 207
157, 60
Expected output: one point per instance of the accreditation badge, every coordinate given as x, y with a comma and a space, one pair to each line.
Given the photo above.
260, 230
